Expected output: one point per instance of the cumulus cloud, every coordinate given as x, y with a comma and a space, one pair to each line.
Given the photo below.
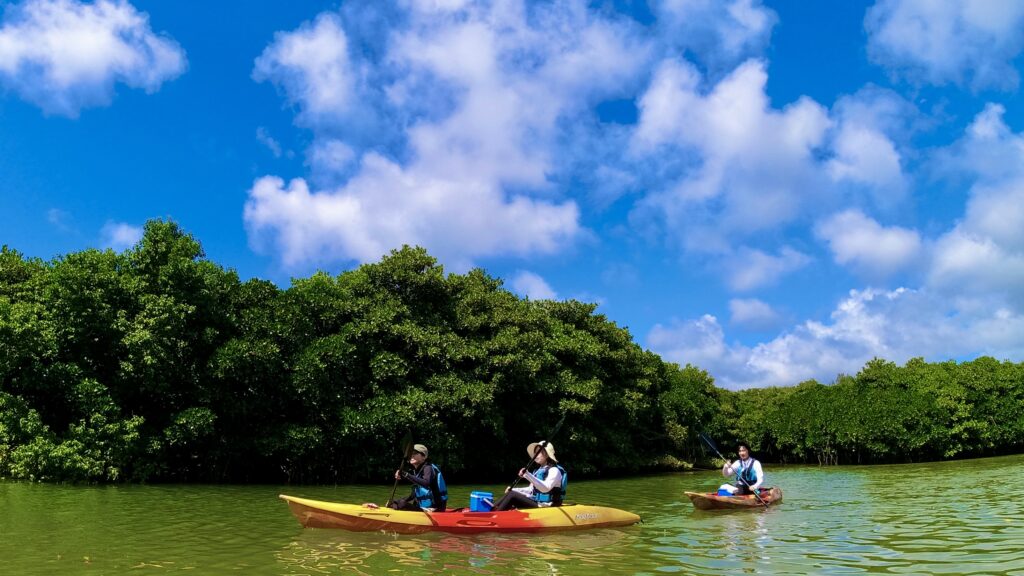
700, 342
752, 313
753, 168
472, 104
865, 152
119, 235
533, 286
870, 248
984, 252
386, 206
750, 268
719, 34
896, 325
972, 42
313, 67
64, 55
971, 301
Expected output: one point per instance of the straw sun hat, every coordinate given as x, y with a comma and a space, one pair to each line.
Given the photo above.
549, 449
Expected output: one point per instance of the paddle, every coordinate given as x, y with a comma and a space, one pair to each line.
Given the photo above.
540, 446
711, 444
406, 453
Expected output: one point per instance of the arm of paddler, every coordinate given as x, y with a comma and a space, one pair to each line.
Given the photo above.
422, 478
728, 469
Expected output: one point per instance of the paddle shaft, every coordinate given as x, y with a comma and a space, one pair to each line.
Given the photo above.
406, 445
740, 477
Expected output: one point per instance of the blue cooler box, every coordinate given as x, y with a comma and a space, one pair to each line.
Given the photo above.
481, 501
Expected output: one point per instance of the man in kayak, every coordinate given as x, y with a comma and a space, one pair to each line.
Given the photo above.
547, 482
747, 471
429, 491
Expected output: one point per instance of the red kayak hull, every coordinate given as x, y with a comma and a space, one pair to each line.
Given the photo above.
712, 501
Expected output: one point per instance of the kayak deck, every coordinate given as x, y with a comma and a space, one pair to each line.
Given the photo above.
359, 518
712, 501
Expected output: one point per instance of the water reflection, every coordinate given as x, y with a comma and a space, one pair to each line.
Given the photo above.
317, 551
946, 518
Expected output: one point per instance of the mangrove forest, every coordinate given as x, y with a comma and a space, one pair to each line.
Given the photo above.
156, 364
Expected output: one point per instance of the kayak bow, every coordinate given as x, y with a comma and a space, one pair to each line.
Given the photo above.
360, 518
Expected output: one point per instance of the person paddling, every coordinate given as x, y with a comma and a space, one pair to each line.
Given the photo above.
747, 471
429, 491
547, 483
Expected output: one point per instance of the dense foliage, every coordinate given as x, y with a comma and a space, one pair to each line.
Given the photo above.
157, 364
886, 413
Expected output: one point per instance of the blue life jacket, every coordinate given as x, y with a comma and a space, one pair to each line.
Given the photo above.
425, 496
557, 494
746, 473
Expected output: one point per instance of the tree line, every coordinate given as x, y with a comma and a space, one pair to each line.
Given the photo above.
156, 364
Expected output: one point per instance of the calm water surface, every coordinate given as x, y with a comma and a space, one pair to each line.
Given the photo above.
964, 517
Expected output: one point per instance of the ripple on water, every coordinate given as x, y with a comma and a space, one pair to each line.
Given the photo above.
839, 520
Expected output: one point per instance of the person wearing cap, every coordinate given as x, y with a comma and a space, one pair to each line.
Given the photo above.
429, 491
747, 470
547, 482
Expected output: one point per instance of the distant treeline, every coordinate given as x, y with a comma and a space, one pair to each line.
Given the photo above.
887, 413
156, 364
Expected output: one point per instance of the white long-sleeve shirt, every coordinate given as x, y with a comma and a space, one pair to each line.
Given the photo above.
731, 469
553, 479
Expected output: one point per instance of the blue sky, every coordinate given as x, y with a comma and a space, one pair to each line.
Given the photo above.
772, 191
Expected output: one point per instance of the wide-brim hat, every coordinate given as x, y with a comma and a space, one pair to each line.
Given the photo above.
549, 449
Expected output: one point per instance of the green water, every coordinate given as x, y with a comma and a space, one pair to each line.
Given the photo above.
964, 517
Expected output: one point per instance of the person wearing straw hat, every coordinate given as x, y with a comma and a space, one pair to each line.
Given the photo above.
547, 482
429, 491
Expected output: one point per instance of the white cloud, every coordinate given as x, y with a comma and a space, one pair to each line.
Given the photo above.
749, 268
120, 236
470, 106
532, 285
312, 65
328, 156
752, 313
960, 41
970, 263
718, 33
64, 55
867, 156
263, 137
984, 252
867, 246
896, 325
386, 206
753, 168
699, 342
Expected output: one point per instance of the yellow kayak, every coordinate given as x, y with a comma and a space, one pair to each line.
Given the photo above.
361, 518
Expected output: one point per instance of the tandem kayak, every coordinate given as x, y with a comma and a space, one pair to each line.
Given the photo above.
712, 501
360, 518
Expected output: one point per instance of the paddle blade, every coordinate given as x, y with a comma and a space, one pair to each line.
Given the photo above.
407, 445
710, 444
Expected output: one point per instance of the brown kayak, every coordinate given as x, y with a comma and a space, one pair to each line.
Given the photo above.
712, 501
